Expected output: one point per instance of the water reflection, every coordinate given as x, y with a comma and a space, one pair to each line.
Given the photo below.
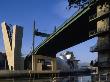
39, 80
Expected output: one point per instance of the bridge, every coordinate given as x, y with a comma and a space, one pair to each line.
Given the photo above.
89, 22
76, 29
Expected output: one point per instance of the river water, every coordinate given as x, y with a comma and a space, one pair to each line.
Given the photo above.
61, 79
38, 80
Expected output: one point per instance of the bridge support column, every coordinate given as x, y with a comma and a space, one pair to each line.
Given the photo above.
54, 64
103, 42
43, 63
34, 62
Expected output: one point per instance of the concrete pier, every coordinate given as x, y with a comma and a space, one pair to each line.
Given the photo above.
39, 60
103, 42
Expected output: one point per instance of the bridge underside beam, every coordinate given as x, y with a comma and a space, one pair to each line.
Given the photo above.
71, 33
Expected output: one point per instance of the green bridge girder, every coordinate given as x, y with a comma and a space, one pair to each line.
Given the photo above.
74, 31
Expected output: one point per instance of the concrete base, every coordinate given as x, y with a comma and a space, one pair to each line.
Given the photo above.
39, 60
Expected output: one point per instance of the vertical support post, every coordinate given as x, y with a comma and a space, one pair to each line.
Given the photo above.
103, 42
103, 25
5, 64
54, 64
33, 57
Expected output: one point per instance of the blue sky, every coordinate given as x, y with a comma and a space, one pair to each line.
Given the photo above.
48, 14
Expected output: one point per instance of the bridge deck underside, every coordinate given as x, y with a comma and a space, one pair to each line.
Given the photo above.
72, 33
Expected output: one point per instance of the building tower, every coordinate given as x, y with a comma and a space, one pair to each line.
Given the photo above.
12, 43
103, 42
